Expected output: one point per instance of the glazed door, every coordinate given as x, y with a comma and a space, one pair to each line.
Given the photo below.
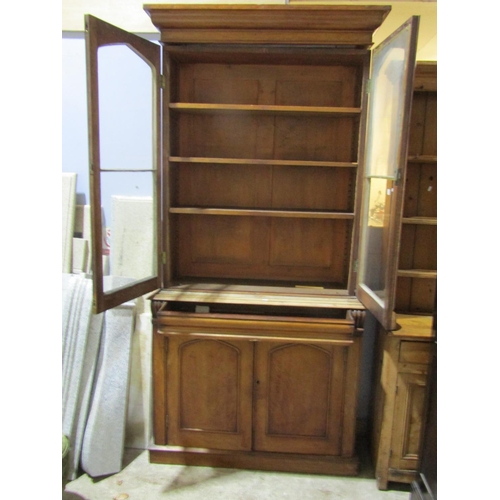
123, 75
389, 103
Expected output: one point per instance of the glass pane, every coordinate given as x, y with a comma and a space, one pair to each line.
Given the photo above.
125, 109
385, 151
129, 222
376, 233
127, 163
387, 108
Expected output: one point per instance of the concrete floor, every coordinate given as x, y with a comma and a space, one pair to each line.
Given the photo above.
140, 480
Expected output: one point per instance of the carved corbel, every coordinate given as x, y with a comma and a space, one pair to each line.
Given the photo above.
156, 307
359, 320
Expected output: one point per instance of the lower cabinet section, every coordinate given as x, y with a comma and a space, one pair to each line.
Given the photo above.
399, 395
256, 392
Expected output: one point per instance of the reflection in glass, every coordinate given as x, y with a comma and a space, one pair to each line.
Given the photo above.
129, 221
376, 236
125, 109
386, 110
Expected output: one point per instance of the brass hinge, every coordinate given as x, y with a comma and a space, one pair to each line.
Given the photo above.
164, 258
355, 266
166, 422
163, 82
368, 85
398, 177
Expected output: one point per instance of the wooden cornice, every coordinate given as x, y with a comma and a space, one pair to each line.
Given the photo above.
425, 76
351, 25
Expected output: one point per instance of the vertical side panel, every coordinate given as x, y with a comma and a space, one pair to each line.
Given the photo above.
353, 355
169, 89
160, 346
354, 258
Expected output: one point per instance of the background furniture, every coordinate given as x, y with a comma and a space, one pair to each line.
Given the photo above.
424, 487
403, 356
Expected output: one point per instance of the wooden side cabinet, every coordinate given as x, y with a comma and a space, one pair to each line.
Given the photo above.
424, 487
401, 379
417, 262
403, 355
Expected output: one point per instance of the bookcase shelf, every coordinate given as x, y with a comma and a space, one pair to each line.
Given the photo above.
422, 159
261, 213
425, 221
255, 161
256, 109
417, 273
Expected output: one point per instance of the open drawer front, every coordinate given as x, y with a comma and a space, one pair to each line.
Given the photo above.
257, 324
